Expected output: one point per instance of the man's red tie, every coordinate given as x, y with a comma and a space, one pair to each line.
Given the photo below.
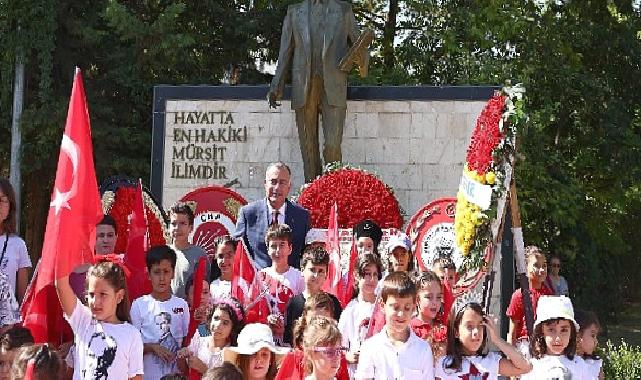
274, 218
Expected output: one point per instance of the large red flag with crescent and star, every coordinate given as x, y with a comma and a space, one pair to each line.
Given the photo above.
74, 211
138, 283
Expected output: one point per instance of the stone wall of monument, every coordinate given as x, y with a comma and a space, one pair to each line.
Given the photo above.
416, 146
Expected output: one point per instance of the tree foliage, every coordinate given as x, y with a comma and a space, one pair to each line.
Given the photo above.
579, 180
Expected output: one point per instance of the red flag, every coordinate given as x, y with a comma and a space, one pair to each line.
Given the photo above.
199, 277
448, 301
333, 247
247, 287
376, 320
138, 283
74, 211
345, 287
42, 314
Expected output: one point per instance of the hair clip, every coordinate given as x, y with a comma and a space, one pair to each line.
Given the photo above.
233, 304
467, 298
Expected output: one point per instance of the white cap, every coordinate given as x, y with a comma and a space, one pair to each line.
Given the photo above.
554, 307
316, 235
251, 339
398, 240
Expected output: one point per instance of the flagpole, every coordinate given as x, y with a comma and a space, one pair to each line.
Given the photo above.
15, 176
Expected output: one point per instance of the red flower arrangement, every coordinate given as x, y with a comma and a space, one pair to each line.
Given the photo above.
120, 209
488, 163
359, 195
487, 135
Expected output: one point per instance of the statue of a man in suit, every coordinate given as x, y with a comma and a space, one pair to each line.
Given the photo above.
315, 41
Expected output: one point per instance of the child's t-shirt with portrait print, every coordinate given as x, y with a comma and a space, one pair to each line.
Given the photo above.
160, 322
104, 351
552, 367
472, 368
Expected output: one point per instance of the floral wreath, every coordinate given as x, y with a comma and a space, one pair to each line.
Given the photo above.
487, 173
358, 194
118, 200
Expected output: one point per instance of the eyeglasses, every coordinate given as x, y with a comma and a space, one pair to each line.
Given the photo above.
555, 265
330, 352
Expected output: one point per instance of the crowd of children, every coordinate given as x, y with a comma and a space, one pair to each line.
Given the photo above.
399, 324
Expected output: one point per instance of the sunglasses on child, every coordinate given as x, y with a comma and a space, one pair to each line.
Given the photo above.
330, 352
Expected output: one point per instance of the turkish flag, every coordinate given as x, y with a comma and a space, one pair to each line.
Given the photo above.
448, 301
71, 224
138, 282
345, 287
333, 247
254, 302
199, 277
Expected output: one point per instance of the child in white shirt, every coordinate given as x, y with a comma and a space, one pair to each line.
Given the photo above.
223, 267
354, 320
107, 346
553, 343
467, 335
282, 281
586, 344
161, 317
396, 352
224, 322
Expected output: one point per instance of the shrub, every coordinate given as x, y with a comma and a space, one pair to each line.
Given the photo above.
622, 362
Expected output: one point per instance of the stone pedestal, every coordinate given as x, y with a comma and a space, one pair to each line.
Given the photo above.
414, 138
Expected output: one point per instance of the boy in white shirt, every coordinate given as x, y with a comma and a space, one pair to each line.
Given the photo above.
284, 282
161, 317
396, 352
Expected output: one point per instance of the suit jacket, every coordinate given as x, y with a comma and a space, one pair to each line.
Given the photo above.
252, 224
296, 50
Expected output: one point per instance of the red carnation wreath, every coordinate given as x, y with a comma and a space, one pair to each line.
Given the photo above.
486, 174
358, 194
119, 206
487, 135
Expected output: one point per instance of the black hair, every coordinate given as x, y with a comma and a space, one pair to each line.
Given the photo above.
9, 224
159, 253
183, 208
454, 346
227, 371
279, 231
173, 376
109, 221
236, 323
586, 319
315, 255
363, 262
214, 272
115, 276
538, 348
47, 365
15, 337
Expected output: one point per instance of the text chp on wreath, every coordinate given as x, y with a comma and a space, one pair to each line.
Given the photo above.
200, 142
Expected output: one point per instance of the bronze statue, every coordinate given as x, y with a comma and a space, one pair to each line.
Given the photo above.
314, 42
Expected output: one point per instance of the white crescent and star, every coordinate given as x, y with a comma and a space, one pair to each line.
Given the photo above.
61, 198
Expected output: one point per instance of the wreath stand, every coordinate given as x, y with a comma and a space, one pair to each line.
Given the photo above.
513, 245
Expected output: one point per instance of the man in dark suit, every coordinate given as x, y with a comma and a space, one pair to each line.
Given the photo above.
313, 42
256, 217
